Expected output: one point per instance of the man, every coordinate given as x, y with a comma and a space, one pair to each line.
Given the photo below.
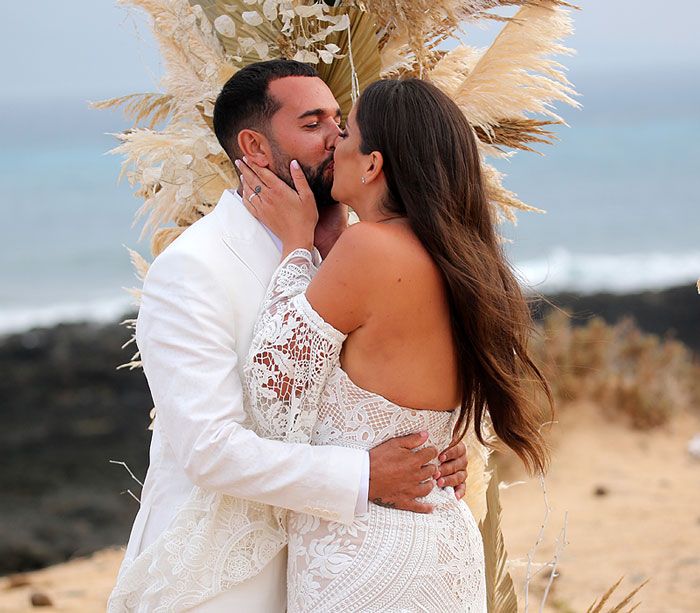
200, 303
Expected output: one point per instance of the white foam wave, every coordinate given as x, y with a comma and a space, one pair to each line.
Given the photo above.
562, 270
103, 310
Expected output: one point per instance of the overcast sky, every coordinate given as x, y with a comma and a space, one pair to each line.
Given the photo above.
93, 48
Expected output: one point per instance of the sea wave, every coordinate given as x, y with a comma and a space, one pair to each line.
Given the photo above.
102, 310
564, 271
560, 271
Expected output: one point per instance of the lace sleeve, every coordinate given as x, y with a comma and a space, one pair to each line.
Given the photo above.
292, 354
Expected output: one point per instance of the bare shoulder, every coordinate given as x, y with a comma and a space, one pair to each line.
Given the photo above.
379, 248
363, 237
357, 273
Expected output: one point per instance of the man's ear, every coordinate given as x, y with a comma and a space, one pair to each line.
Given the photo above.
255, 146
374, 168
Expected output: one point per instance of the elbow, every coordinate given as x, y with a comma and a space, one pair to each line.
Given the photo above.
197, 471
210, 460
197, 463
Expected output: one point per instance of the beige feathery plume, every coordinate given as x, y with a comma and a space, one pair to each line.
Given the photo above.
516, 76
151, 108
181, 172
499, 88
505, 201
193, 57
139, 263
422, 24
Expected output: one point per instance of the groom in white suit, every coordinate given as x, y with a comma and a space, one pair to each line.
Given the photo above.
200, 302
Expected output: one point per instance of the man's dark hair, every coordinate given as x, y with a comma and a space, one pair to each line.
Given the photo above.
245, 101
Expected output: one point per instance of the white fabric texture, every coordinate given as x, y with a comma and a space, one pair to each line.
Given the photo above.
387, 560
195, 537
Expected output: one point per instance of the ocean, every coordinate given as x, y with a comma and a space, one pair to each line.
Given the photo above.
620, 188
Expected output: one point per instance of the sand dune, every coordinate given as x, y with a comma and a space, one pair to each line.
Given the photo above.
633, 502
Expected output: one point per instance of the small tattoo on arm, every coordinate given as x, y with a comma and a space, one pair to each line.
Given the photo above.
380, 503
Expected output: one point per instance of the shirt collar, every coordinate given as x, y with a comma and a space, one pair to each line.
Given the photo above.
273, 236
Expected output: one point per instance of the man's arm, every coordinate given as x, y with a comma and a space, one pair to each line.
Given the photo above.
186, 340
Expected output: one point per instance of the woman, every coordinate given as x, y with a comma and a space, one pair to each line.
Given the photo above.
413, 307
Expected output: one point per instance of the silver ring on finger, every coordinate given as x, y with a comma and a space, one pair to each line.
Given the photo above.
250, 198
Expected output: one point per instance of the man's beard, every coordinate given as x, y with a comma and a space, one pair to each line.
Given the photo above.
316, 177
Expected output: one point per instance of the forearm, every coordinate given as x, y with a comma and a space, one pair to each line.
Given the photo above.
322, 480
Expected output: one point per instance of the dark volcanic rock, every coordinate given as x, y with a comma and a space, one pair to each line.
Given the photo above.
67, 411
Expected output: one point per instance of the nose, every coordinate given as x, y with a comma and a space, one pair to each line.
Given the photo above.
337, 135
334, 134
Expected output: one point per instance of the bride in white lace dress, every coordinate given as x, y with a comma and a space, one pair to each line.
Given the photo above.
413, 307
388, 559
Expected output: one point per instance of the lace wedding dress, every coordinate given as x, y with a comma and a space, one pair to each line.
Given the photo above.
388, 560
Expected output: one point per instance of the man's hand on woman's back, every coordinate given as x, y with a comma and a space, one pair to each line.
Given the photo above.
400, 473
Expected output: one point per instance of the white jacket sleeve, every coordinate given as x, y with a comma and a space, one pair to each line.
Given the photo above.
187, 338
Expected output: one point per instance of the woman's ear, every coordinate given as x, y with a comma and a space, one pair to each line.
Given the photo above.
255, 146
374, 169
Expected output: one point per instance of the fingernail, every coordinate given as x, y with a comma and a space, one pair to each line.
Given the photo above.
237, 163
424, 433
295, 165
443, 457
441, 482
437, 475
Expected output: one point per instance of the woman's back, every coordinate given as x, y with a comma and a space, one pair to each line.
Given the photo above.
404, 349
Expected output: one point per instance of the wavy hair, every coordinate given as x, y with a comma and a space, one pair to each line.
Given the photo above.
434, 178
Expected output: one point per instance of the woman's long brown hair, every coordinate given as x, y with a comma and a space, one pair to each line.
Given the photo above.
433, 172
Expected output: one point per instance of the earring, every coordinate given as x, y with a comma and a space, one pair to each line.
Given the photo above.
363, 180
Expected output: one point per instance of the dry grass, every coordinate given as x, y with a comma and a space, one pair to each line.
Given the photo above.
618, 367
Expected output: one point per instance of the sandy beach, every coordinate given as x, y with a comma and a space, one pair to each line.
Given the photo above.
633, 504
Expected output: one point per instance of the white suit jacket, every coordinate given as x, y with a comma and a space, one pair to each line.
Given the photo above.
200, 301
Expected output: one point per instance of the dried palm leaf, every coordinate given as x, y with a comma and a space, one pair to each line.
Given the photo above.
359, 64
478, 477
500, 591
516, 133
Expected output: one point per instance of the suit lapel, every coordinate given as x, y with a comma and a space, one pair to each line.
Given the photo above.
246, 237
